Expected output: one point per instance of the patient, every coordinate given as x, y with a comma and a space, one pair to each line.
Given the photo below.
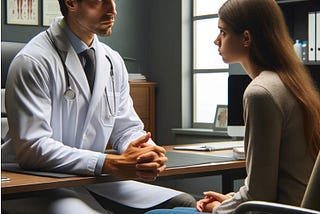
281, 108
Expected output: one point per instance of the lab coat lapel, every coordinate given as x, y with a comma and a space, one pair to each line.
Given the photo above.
76, 71
72, 62
101, 77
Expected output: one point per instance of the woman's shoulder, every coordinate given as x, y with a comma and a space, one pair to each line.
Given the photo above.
267, 79
267, 82
269, 86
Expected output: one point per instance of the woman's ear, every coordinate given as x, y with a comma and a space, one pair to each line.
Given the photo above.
247, 39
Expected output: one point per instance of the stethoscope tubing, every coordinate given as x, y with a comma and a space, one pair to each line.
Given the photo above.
70, 94
113, 113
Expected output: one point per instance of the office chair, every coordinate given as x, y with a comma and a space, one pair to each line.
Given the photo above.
8, 51
4, 122
310, 203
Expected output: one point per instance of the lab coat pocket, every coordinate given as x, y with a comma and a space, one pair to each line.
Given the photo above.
109, 108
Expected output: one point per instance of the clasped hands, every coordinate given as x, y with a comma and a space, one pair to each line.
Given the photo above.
210, 201
139, 161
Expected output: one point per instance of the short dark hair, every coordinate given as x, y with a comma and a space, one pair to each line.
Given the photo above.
63, 7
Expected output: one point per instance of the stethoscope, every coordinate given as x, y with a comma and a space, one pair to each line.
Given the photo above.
70, 94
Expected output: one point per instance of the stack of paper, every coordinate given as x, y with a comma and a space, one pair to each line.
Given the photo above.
238, 153
137, 77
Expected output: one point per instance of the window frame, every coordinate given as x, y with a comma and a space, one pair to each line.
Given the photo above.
197, 71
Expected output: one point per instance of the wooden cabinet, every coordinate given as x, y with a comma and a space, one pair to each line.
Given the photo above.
143, 96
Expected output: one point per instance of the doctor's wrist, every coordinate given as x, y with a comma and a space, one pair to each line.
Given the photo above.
118, 165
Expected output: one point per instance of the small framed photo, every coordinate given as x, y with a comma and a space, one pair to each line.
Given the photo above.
22, 12
221, 118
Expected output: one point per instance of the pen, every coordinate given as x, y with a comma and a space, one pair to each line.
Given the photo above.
193, 148
4, 179
207, 148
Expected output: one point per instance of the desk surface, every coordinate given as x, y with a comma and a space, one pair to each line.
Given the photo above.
20, 183
218, 166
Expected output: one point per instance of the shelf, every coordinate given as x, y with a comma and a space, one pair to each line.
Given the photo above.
296, 17
290, 1
311, 63
203, 132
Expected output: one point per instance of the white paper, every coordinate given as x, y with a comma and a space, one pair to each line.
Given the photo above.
239, 153
134, 194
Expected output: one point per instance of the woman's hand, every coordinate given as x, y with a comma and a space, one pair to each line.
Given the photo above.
210, 201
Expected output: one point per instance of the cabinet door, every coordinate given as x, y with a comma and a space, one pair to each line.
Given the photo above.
142, 94
141, 100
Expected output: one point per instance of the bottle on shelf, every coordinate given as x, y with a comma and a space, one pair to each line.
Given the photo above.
304, 51
298, 48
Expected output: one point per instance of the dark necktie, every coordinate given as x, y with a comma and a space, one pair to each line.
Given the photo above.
89, 65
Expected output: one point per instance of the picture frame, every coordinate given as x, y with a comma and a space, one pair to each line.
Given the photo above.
221, 118
50, 10
22, 12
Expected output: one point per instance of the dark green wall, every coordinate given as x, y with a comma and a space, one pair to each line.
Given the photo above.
150, 32
165, 63
127, 37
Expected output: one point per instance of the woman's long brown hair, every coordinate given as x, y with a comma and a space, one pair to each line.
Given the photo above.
272, 49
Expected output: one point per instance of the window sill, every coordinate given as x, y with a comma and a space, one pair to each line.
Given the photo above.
201, 132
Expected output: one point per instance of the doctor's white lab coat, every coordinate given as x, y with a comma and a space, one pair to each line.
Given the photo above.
49, 132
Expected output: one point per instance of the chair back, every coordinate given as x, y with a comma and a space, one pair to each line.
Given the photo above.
8, 51
311, 198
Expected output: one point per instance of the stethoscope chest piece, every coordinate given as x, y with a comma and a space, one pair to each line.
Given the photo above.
69, 94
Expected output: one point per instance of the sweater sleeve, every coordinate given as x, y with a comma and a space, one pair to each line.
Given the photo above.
263, 121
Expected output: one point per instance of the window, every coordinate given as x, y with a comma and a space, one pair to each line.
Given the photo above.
210, 73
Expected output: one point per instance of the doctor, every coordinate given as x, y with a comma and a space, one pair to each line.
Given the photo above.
60, 122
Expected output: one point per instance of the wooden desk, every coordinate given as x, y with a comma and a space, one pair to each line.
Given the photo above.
207, 168
21, 183
24, 183
229, 170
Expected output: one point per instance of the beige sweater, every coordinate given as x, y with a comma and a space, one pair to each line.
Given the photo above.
278, 165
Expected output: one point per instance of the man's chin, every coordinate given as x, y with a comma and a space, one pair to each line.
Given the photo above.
105, 33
